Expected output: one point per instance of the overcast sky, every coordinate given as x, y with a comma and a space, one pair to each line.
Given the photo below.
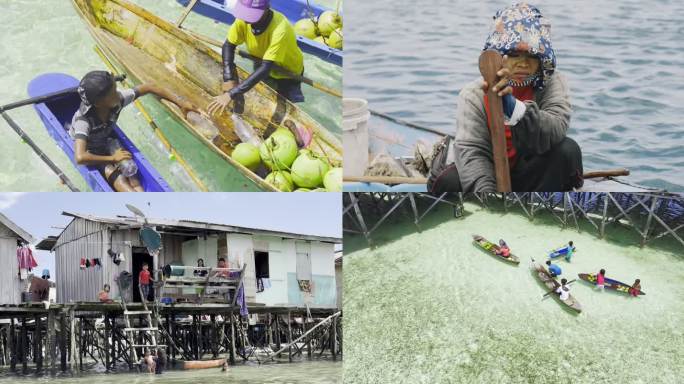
307, 213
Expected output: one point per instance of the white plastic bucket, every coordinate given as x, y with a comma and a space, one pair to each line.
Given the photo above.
355, 117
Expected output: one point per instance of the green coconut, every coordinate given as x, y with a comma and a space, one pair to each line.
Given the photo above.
281, 180
279, 150
320, 39
329, 21
248, 155
308, 169
333, 180
306, 28
335, 39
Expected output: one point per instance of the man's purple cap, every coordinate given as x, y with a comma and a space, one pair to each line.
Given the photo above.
250, 10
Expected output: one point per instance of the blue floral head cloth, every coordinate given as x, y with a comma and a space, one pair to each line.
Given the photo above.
522, 28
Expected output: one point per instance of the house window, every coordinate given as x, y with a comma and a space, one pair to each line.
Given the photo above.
261, 264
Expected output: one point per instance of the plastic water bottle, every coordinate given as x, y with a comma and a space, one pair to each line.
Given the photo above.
128, 167
203, 125
245, 132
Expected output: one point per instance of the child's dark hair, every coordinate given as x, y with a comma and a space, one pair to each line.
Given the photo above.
145, 264
603, 271
222, 259
564, 281
107, 286
570, 243
548, 262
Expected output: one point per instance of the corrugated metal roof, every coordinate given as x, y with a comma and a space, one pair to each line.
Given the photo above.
16, 229
193, 224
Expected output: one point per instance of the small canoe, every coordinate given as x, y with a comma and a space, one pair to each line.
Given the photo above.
151, 50
294, 10
562, 251
551, 283
491, 248
202, 364
608, 283
57, 113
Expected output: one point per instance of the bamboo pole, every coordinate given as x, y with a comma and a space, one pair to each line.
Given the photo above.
336, 314
185, 14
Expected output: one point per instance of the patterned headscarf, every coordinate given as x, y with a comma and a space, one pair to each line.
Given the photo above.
521, 27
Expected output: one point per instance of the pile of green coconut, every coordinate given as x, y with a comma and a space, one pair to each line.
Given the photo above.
326, 29
291, 169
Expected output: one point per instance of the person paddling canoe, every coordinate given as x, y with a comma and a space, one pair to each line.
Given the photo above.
92, 127
269, 37
635, 288
554, 269
536, 112
503, 249
563, 290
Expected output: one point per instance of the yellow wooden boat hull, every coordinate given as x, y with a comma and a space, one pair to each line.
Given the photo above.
150, 49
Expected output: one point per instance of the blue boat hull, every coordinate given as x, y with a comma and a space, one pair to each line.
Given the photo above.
57, 113
294, 10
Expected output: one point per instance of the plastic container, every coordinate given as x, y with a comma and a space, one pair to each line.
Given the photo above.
245, 131
355, 117
128, 168
205, 126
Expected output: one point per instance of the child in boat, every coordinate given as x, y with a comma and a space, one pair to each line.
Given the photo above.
503, 249
92, 126
554, 269
570, 250
145, 280
536, 111
271, 39
635, 288
563, 290
600, 279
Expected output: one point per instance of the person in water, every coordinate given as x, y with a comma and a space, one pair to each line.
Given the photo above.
92, 126
503, 249
271, 39
635, 288
601, 279
563, 290
536, 112
554, 269
570, 250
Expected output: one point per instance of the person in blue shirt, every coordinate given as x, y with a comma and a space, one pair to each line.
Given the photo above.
554, 270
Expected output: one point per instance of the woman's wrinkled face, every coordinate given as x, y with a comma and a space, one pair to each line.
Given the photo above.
522, 65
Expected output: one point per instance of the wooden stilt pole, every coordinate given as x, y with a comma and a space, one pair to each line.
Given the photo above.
289, 337
38, 344
105, 341
72, 340
52, 342
333, 339
277, 335
81, 344
23, 346
63, 342
232, 339
13, 346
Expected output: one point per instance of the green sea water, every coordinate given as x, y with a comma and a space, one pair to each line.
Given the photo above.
430, 307
48, 36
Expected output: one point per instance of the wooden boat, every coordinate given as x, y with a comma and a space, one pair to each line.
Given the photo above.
56, 114
551, 283
491, 248
202, 364
294, 10
608, 283
150, 49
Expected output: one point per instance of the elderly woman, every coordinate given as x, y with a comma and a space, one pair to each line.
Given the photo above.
536, 112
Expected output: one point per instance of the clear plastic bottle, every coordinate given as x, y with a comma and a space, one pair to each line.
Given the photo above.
203, 125
245, 131
128, 167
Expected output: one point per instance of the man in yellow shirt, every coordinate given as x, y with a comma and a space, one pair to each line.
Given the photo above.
270, 37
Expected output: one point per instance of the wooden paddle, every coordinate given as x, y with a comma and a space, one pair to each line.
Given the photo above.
490, 63
554, 290
188, 9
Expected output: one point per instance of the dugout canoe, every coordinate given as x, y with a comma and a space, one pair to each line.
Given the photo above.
150, 49
294, 10
57, 113
608, 283
491, 248
551, 283
202, 364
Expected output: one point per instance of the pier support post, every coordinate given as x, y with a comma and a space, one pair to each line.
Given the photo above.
232, 339
214, 337
13, 346
308, 339
81, 344
105, 341
38, 344
289, 337
277, 335
72, 340
23, 347
333, 338
52, 341
63, 342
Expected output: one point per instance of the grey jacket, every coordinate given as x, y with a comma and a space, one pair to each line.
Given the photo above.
543, 125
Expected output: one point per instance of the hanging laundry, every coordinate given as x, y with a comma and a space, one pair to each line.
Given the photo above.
97, 262
260, 285
83, 263
87, 263
244, 312
25, 258
266, 282
23, 273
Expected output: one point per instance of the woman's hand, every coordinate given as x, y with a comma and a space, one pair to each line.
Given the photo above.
502, 87
219, 104
121, 155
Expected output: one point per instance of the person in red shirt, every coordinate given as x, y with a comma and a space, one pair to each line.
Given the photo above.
145, 280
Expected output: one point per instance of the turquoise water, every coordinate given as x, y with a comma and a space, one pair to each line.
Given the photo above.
623, 61
39, 37
430, 307
316, 372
